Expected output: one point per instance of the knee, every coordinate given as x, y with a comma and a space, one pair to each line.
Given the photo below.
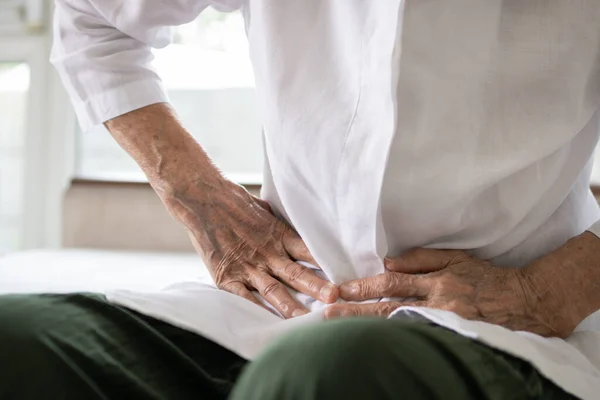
35, 340
353, 358
28, 323
20, 325
19, 342
28, 326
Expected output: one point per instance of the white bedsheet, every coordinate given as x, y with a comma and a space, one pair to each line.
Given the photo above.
60, 271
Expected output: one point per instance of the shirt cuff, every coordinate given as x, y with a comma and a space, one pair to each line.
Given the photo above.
118, 101
595, 229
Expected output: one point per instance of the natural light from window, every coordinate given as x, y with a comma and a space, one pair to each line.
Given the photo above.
14, 88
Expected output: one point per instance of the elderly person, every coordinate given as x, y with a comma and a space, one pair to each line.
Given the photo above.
426, 161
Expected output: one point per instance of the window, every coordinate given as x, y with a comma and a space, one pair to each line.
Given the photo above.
33, 114
14, 87
21, 16
209, 79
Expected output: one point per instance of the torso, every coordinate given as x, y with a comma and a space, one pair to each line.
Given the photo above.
451, 124
495, 124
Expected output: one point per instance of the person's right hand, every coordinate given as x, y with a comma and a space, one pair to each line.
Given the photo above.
246, 248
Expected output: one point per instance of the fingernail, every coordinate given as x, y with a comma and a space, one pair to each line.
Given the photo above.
298, 313
326, 292
394, 264
348, 290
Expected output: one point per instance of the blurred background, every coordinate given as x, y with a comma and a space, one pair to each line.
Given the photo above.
60, 187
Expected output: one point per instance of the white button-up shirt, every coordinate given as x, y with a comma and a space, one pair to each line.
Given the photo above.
388, 125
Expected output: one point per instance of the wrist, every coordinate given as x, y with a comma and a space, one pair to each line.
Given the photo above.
563, 285
186, 172
545, 300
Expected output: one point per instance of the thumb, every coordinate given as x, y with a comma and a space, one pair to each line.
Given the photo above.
422, 261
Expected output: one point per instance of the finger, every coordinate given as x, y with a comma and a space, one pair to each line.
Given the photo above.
382, 309
420, 260
388, 284
239, 289
305, 280
296, 248
276, 294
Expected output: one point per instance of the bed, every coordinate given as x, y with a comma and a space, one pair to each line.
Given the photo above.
70, 270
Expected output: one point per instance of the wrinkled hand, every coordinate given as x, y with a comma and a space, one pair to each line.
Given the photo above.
454, 281
246, 248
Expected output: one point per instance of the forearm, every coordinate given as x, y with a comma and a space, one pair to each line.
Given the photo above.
566, 282
169, 156
176, 165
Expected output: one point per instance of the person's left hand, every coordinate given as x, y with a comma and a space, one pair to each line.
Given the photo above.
454, 281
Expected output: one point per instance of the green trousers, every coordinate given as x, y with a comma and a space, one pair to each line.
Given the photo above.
79, 346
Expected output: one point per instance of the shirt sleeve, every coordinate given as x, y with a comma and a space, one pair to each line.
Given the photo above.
102, 51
